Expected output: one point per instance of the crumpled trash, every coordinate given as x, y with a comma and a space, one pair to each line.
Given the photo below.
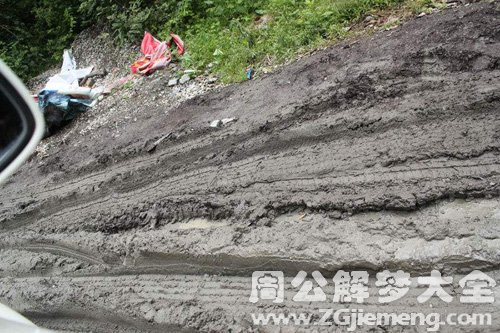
67, 78
250, 73
156, 54
59, 109
62, 98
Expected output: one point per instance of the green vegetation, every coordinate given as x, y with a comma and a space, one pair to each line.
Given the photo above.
34, 33
229, 34
267, 32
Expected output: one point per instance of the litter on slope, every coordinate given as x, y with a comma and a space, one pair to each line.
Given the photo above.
156, 54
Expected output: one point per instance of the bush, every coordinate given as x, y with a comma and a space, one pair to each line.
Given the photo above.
34, 33
229, 34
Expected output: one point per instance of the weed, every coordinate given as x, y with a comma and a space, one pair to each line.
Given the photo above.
228, 34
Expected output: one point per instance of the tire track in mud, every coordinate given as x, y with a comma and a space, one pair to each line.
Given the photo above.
62, 196
101, 320
216, 302
155, 263
467, 170
453, 236
58, 249
150, 263
144, 162
175, 289
147, 264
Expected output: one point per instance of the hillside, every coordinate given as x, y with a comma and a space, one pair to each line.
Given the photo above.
379, 152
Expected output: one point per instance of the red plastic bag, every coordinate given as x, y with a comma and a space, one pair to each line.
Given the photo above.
156, 54
178, 42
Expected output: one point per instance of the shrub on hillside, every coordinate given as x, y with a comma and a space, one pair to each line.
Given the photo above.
230, 35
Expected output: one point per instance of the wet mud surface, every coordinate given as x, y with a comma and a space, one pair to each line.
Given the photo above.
380, 153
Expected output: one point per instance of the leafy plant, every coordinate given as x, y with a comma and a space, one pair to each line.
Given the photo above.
229, 34
32, 39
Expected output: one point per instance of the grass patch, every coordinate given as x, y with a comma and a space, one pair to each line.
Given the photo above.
272, 32
230, 35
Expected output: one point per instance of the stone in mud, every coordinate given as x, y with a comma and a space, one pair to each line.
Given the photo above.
184, 78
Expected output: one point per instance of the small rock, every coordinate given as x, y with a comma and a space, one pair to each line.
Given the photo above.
227, 120
421, 14
172, 82
216, 123
335, 214
211, 80
220, 122
185, 78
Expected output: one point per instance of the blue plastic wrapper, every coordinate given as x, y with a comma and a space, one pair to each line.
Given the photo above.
58, 109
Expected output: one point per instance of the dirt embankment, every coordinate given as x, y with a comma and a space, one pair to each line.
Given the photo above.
379, 153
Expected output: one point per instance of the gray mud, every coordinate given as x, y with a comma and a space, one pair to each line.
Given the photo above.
380, 153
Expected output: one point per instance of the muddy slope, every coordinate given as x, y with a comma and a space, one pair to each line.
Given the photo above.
379, 153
